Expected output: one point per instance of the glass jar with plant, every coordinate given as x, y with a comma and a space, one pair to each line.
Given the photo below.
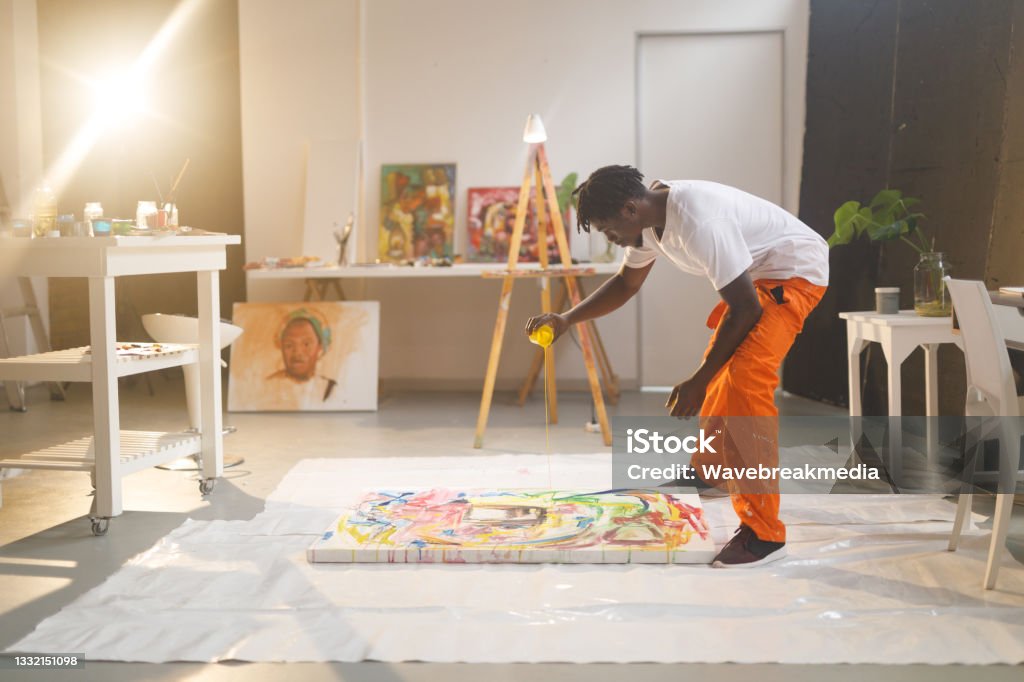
888, 217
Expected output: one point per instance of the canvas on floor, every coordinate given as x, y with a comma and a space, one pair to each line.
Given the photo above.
519, 526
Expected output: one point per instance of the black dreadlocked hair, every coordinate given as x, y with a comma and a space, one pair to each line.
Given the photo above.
603, 194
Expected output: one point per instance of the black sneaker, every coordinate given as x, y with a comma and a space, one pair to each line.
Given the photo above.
746, 550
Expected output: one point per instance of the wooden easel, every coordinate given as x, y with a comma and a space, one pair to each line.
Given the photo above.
316, 288
538, 173
30, 309
609, 379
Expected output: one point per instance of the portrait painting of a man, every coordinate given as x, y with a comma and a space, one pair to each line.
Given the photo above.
305, 356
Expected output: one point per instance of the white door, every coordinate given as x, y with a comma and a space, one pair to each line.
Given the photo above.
709, 107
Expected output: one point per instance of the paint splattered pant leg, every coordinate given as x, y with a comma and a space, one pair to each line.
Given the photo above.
741, 399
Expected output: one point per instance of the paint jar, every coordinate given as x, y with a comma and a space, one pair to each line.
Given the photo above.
170, 216
66, 224
22, 227
101, 227
146, 215
543, 335
44, 217
887, 300
93, 210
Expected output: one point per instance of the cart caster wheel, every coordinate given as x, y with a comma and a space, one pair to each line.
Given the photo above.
100, 526
206, 485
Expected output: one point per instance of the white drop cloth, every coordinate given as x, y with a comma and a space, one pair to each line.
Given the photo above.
867, 580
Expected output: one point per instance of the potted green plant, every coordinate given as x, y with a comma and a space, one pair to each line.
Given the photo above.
563, 193
888, 217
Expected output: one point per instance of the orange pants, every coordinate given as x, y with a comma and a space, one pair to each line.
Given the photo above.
743, 391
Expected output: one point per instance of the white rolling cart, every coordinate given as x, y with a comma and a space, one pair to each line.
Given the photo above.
110, 453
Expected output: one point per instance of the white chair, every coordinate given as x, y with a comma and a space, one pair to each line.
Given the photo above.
184, 329
990, 393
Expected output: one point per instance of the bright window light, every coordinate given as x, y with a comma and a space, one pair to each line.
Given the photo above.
119, 98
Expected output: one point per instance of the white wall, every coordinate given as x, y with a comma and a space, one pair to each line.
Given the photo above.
298, 72
453, 81
21, 146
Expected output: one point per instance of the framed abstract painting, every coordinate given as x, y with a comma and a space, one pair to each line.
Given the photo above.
417, 219
490, 220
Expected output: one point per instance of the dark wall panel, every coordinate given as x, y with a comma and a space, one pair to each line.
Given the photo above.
1006, 248
846, 154
944, 138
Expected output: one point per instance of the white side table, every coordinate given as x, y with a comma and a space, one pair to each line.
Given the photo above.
898, 335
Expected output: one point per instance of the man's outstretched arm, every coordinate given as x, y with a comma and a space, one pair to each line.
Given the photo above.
608, 297
743, 313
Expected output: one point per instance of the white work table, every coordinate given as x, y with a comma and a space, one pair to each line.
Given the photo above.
1010, 314
111, 453
392, 271
320, 279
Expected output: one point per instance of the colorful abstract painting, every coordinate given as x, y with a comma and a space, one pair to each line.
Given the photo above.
312, 356
490, 221
416, 211
519, 526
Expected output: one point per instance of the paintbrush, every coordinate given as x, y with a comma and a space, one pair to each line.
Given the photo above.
177, 181
159, 194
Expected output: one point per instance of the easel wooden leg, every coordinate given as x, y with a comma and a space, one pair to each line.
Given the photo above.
492, 362
551, 387
574, 296
611, 382
608, 377
531, 377
504, 301
316, 289
588, 361
538, 356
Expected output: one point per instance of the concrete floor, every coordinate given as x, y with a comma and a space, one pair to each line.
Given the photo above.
48, 557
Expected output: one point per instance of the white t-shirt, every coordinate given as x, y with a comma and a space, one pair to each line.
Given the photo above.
720, 231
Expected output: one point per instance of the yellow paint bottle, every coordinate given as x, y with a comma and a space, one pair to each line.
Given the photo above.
543, 335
